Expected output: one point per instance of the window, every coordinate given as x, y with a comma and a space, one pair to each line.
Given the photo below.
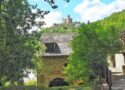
52, 48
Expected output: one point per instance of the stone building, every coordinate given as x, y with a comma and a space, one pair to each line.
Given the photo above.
55, 56
117, 61
68, 20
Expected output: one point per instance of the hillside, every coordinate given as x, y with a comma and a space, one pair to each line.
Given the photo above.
61, 28
116, 19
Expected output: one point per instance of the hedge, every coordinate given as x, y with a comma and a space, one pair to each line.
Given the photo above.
44, 88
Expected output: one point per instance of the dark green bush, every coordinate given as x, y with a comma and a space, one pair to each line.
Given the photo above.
44, 88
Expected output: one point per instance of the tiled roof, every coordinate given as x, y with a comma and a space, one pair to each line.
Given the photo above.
56, 37
62, 40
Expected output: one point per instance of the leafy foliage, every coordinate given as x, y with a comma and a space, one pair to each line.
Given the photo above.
61, 28
17, 45
92, 45
52, 3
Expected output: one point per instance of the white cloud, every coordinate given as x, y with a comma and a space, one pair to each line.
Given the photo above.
93, 10
53, 17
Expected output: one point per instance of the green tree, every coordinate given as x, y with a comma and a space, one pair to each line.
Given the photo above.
92, 45
17, 45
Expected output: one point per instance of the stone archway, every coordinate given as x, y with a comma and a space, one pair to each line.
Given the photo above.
58, 82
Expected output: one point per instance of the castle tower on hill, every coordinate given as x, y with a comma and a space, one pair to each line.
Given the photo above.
68, 20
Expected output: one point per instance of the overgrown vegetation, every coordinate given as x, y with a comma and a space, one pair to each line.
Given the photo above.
45, 88
21, 50
92, 45
62, 28
18, 47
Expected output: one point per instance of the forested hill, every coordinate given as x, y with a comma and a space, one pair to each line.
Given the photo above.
61, 28
116, 19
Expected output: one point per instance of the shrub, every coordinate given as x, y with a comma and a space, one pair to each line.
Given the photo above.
45, 88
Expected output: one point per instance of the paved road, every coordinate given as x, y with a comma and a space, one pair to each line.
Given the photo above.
118, 81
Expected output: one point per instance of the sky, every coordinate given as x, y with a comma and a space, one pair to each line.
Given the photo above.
79, 10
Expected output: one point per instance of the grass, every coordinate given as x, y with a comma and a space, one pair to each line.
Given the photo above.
31, 82
45, 88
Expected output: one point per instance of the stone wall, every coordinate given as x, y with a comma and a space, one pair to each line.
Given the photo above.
53, 68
